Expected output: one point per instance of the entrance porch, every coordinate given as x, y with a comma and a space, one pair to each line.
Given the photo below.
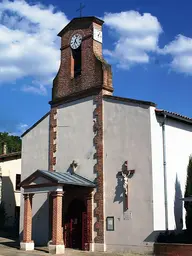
70, 210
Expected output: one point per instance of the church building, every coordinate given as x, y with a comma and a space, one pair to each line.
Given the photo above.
100, 172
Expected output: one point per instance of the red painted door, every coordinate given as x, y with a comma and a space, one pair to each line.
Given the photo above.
71, 233
85, 242
75, 232
68, 230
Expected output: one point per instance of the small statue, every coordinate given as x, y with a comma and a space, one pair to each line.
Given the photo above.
73, 166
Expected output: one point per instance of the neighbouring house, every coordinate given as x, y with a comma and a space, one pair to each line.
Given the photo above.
10, 178
100, 172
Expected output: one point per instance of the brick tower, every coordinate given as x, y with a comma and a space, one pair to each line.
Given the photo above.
83, 72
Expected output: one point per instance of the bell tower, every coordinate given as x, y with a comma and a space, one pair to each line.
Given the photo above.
83, 71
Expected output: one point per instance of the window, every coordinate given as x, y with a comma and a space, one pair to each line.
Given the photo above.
18, 181
77, 61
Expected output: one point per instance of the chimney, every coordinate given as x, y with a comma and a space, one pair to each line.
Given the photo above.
4, 148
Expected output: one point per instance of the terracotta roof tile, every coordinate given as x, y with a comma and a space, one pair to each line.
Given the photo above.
173, 115
10, 156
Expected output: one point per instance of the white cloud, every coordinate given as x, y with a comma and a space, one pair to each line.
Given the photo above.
181, 51
21, 128
28, 41
39, 89
137, 37
29, 46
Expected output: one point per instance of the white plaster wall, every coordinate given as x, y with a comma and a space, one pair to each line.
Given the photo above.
35, 151
75, 137
179, 148
178, 136
127, 137
10, 196
157, 169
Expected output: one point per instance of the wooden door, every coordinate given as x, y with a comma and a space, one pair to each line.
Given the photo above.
75, 227
85, 235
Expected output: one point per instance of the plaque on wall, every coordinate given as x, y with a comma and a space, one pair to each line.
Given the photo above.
127, 215
110, 223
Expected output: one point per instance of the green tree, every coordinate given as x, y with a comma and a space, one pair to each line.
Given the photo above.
188, 192
13, 142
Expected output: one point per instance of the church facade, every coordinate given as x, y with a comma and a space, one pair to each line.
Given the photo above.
100, 172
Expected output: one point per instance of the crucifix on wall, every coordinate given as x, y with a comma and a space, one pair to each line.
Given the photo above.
126, 174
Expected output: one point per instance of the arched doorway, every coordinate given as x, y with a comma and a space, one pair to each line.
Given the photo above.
74, 224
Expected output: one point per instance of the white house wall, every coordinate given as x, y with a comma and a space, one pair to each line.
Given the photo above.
127, 137
35, 151
75, 133
179, 148
158, 177
178, 137
10, 196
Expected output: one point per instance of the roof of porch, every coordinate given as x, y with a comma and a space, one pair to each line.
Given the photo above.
42, 179
187, 199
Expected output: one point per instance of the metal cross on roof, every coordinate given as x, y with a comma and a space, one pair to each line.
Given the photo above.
80, 9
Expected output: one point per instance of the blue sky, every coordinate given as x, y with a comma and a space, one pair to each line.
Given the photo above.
148, 43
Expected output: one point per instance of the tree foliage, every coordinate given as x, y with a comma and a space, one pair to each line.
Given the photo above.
188, 192
13, 142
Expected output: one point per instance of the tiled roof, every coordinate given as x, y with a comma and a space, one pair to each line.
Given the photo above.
173, 115
10, 156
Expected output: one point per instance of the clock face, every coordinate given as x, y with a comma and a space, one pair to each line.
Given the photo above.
97, 35
76, 41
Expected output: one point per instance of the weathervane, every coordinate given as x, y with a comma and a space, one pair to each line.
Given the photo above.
80, 9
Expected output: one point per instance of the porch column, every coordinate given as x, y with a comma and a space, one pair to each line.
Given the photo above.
90, 220
27, 244
57, 244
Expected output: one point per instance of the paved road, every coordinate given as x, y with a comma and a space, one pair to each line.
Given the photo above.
9, 247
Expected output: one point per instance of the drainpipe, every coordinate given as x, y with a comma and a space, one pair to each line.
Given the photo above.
165, 172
